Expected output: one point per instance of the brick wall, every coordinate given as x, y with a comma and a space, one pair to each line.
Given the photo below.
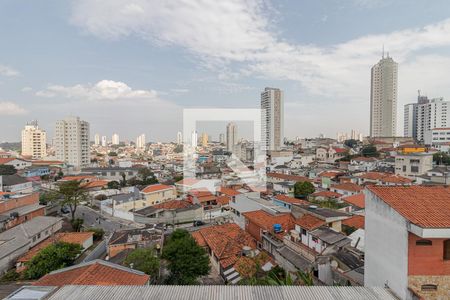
442, 282
428, 259
9, 204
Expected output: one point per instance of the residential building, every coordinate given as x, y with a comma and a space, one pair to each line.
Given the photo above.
158, 193
115, 140
17, 163
71, 142
15, 184
330, 154
179, 138
95, 272
170, 212
440, 138
221, 138
97, 139
16, 209
112, 173
346, 189
424, 116
414, 164
407, 241
140, 142
232, 136
104, 141
124, 240
34, 141
272, 118
383, 98
194, 139
19, 239
204, 139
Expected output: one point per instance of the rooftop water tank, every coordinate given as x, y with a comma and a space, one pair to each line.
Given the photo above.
277, 228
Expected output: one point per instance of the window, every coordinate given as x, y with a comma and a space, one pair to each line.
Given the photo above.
429, 287
423, 243
414, 169
447, 250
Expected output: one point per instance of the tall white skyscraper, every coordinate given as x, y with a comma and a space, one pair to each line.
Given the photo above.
104, 141
34, 141
383, 98
115, 139
232, 136
140, 142
422, 117
194, 139
71, 141
97, 139
272, 118
179, 138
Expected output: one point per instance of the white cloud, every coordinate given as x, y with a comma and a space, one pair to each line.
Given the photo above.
102, 90
8, 71
223, 32
8, 108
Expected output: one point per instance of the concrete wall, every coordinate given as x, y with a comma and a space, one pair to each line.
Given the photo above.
386, 247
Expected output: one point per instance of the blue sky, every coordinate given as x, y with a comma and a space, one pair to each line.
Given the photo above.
131, 66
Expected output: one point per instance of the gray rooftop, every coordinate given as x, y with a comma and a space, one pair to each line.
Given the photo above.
222, 292
31, 293
9, 180
329, 236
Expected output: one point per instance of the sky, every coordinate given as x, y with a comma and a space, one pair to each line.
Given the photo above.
132, 66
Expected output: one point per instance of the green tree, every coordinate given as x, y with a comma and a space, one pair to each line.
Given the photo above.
145, 260
114, 185
48, 197
147, 177
112, 153
303, 189
51, 258
98, 232
7, 170
186, 260
73, 194
77, 224
370, 151
441, 158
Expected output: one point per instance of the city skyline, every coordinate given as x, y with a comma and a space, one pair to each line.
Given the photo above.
104, 75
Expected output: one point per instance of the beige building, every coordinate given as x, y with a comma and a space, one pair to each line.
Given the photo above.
413, 164
272, 118
383, 98
34, 141
232, 136
72, 142
158, 193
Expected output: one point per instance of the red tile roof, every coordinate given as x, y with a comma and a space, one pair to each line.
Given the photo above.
396, 179
291, 200
94, 184
356, 221
156, 188
173, 204
223, 200
188, 181
228, 191
347, 187
328, 194
226, 241
266, 221
287, 177
309, 222
330, 174
6, 160
96, 272
356, 200
77, 178
425, 206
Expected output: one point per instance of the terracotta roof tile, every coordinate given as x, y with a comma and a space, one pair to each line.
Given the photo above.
328, 194
291, 200
425, 206
355, 221
287, 177
94, 273
188, 181
309, 222
347, 187
356, 200
228, 191
173, 204
156, 187
266, 221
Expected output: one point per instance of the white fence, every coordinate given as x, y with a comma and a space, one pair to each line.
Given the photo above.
106, 207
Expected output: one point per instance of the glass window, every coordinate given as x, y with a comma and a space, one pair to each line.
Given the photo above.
423, 243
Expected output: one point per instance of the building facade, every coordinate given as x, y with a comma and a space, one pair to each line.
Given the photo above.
72, 141
115, 139
272, 118
34, 141
413, 164
383, 98
232, 136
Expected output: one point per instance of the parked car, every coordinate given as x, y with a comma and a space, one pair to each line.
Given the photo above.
198, 223
65, 210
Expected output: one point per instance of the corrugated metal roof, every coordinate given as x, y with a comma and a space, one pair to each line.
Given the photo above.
162, 292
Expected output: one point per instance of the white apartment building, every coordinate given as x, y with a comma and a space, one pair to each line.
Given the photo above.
383, 98
194, 139
424, 116
413, 164
272, 118
97, 139
179, 138
115, 139
440, 138
232, 136
71, 141
34, 141
104, 141
140, 142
